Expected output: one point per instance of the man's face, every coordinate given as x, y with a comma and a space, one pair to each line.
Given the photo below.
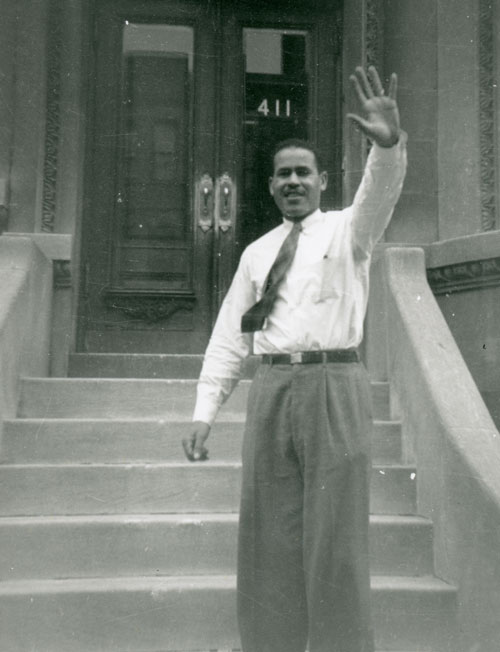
296, 184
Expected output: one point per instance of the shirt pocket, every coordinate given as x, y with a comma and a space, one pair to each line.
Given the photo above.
305, 283
332, 274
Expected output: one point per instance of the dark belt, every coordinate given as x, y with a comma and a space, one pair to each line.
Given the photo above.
311, 357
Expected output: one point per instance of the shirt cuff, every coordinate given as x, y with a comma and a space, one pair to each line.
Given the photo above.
387, 153
206, 407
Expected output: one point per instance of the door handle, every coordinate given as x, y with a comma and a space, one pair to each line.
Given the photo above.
225, 202
204, 202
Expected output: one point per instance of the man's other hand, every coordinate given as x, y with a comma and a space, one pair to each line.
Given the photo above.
194, 446
381, 123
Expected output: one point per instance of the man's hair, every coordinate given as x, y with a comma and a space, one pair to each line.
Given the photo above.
296, 142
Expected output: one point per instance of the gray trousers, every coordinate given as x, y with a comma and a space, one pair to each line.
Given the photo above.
303, 557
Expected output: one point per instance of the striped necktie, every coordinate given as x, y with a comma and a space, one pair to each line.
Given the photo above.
253, 320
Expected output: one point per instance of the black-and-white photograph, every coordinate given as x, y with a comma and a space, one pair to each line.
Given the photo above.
250, 326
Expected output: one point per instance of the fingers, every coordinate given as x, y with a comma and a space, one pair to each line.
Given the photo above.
363, 80
358, 89
188, 446
200, 453
361, 84
363, 124
194, 450
368, 88
193, 446
375, 79
393, 86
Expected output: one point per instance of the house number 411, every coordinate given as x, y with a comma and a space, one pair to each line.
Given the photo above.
265, 110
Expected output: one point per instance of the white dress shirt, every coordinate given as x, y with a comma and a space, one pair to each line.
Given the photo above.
321, 304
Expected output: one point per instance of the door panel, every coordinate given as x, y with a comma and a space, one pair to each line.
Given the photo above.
148, 263
286, 68
189, 99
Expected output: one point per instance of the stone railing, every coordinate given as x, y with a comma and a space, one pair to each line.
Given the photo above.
25, 317
57, 248
449, 433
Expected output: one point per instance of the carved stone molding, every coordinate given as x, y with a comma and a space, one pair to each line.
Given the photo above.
487, 115
148, 307
471, 275
374, 34
53, 117
62, 273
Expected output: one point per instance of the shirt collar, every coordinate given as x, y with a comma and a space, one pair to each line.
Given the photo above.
308, 223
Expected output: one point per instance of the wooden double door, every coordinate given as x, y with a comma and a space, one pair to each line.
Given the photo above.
188, 98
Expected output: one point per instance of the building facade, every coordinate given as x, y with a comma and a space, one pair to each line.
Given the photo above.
133, 140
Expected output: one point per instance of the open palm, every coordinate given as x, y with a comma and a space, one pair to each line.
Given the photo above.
381, 115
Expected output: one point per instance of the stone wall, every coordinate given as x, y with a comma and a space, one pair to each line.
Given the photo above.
464, 273
410, 49
8, 30
28, 121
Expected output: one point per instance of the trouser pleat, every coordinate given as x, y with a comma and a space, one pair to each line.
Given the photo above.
303, 540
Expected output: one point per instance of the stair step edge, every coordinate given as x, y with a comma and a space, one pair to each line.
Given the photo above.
55, 380
187, 518
380, 468
224, 417
427, 584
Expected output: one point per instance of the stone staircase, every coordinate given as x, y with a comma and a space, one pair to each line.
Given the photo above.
111, 541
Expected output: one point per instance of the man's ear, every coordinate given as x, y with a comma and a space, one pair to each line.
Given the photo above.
271, 190
323, 180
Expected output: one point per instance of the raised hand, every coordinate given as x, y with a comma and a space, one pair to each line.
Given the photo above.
381, 123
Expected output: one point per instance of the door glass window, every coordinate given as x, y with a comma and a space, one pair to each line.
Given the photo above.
152, 212
157, 66
276, 108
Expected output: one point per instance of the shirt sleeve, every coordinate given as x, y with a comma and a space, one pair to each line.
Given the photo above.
377, 194
227, 349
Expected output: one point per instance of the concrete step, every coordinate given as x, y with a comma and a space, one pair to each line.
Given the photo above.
414, 613
33, 490
173, 544
131, 398
142, 365
117, 398
56, 441
192, 613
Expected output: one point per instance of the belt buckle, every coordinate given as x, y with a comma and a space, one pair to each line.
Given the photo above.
296, 358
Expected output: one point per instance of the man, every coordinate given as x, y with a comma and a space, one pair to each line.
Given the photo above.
300, 294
